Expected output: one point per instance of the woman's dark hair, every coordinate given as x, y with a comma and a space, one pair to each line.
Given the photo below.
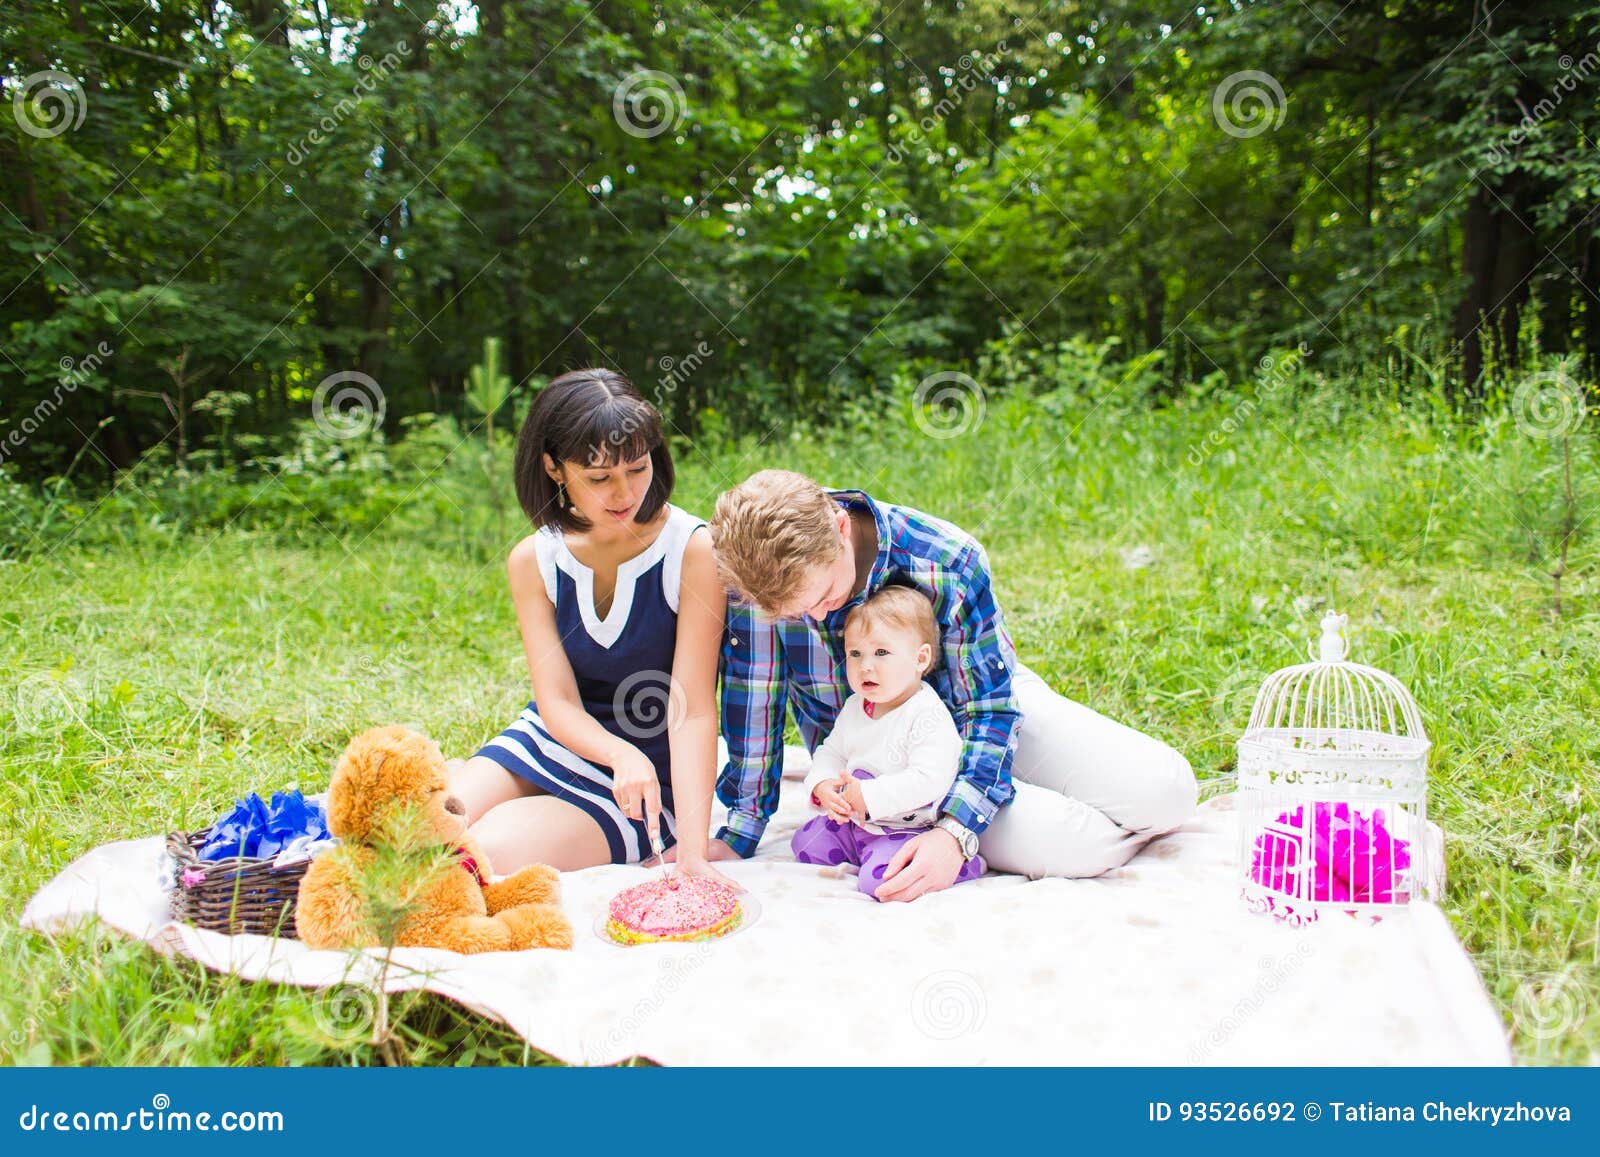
595, 417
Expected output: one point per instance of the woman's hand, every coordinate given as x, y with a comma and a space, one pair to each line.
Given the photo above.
699, 866
634, 784
715, 850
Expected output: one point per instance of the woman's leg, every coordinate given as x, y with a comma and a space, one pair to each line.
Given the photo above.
540, 829
481, 785
1090, 791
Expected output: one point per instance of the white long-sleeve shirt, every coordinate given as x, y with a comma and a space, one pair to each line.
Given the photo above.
913, 753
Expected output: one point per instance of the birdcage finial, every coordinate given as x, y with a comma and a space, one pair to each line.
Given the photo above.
1333, 647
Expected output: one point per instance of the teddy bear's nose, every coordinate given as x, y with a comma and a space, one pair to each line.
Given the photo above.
454, 806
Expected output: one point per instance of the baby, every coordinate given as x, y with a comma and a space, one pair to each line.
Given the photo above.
882, 772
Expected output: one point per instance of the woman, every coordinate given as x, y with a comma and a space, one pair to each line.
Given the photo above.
621, 614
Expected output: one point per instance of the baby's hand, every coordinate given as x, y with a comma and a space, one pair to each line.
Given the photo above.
829, 798
850, 792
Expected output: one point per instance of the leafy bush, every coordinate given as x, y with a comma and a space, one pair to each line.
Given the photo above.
23, 514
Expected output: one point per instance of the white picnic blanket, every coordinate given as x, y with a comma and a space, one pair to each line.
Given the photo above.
1156, 963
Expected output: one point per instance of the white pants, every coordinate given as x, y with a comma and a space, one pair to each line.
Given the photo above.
1090, 791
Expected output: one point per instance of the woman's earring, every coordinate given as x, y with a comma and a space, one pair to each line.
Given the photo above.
561, 496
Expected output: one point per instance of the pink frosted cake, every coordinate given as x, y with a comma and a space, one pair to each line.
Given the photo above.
687, 908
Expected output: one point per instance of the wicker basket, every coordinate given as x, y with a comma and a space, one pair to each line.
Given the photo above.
238, 894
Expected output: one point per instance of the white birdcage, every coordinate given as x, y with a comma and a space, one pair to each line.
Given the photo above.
1333, 779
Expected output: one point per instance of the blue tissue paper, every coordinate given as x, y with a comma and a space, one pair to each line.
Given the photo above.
255, 828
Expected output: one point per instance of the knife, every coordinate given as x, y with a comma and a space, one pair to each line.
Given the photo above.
660, 849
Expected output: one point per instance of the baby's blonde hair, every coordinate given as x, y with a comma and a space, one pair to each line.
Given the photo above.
899, 606
770, 533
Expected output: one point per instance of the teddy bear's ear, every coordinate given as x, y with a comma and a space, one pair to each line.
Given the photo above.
379, 769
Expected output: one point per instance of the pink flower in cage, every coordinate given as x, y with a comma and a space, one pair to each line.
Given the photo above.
1354, 858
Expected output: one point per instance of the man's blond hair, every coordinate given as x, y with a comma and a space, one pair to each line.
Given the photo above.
770, 533
898, 606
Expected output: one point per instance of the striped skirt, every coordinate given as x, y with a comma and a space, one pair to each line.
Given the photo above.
528, 750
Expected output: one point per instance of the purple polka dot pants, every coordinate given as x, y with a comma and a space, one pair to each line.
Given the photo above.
824, 840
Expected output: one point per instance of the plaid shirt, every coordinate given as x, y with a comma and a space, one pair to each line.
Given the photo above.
769, 666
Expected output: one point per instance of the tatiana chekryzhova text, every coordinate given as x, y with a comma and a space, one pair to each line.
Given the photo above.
1446, 1112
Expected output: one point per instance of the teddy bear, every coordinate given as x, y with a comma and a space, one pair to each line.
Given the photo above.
455, 904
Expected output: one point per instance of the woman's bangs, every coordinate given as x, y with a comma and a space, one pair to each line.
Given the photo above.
620, 431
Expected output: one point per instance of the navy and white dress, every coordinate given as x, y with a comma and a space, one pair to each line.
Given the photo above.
623, 666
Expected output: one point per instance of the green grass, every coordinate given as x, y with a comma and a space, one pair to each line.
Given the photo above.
154, 675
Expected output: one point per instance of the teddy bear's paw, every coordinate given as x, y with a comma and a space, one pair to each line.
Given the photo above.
534, 884
537, 926
546, 881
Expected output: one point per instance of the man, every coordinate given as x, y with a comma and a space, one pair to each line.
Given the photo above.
1047, 787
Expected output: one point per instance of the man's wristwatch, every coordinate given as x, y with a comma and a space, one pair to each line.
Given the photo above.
965, 836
